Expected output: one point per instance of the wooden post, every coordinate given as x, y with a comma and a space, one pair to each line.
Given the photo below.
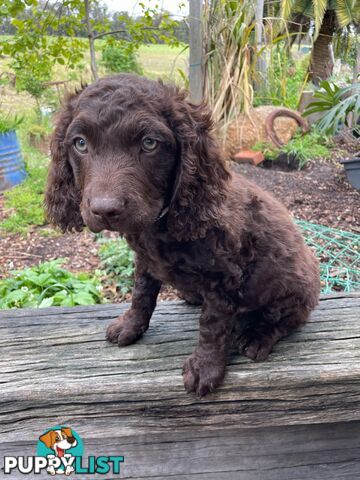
196, 52
261, 62
91, 41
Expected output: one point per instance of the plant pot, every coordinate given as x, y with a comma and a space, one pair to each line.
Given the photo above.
12, 167
352, 168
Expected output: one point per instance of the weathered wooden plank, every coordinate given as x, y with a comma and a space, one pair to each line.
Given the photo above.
316, 452
55, 367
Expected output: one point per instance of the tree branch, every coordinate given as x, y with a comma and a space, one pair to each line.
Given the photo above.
123, 30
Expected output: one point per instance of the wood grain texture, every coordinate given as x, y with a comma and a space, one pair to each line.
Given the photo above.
56, 368
314, 452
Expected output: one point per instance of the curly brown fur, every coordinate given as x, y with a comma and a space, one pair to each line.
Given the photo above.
215, 236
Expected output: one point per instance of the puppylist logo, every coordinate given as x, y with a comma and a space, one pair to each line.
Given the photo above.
60, 451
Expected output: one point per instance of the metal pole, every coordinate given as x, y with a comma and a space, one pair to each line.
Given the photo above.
196, 52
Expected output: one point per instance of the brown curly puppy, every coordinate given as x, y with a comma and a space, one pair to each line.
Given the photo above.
134, 156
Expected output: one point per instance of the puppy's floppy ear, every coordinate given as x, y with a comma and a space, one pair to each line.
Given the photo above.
48, 438
200, 185
67, 431
62, 197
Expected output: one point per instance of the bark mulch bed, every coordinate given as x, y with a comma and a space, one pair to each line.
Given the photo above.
320, 193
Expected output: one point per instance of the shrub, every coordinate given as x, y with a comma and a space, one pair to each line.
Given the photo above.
121, 57
118, 262
46, 285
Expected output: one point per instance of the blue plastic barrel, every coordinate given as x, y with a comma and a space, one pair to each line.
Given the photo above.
12, 167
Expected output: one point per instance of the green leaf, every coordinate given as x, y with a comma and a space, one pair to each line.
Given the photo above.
46, 302
83, 298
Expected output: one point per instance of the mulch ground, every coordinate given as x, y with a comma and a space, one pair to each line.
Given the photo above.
320, 193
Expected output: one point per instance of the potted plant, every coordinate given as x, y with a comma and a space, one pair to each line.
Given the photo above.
339, 109
12, 167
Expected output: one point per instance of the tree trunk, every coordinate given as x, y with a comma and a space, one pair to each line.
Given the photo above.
91, 41
321, 65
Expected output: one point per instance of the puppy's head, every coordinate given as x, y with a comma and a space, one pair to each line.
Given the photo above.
127, 148
59, 440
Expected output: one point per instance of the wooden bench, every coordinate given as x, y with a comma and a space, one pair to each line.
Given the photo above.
293, 417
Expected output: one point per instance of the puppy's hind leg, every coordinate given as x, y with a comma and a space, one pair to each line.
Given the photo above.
258, 338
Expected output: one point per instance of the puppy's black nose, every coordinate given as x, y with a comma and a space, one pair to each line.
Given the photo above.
109, 208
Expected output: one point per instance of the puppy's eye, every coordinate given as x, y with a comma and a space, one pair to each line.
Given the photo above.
80, 145
149, 144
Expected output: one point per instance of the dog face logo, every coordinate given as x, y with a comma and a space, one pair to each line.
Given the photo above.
60, 450
60, 445
59, 440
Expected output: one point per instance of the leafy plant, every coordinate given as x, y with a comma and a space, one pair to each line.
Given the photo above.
118, 262
335, 104
46, 285
306, 147
121, 57
303, 147
270, 152
8, 123
286, 79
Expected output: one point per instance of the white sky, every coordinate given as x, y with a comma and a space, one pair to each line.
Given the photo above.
177, 7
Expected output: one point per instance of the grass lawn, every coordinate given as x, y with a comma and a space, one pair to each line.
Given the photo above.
163, 61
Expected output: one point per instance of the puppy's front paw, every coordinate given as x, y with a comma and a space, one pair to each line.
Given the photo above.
126, 329
201, 374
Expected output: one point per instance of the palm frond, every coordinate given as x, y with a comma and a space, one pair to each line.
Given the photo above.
347, 11
304, 7
319, 7
287, 8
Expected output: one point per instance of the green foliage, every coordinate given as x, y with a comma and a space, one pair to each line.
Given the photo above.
7, 123
270, 152
121, 57
304, 147
38, 131
25, 202
25, 80
285, 81
346, 11
46, 35
46, 285
335, 104
118, 261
